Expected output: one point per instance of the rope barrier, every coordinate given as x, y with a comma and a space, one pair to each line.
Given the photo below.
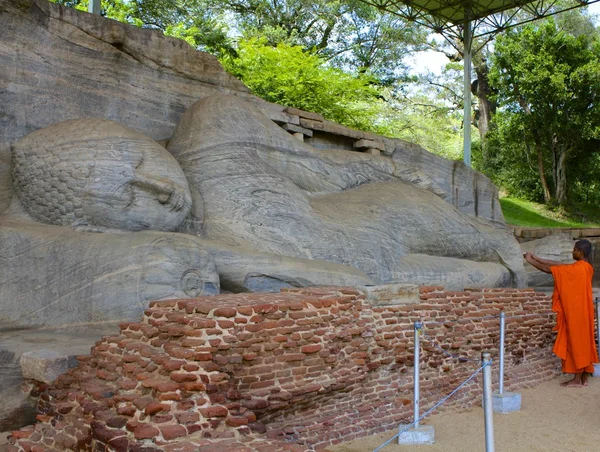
440, 402
419, 330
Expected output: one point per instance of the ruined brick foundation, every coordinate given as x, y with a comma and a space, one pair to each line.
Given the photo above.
294, 371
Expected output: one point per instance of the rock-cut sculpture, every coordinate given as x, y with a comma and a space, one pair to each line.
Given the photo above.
105, 219
262, 189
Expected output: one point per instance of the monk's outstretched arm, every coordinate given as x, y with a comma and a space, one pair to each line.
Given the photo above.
537, 264
546, 261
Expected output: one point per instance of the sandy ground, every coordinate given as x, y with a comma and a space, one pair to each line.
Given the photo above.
552, 418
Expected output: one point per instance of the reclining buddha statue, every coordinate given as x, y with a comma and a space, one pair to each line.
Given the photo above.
104, 219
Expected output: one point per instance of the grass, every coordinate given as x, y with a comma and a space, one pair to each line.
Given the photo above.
519, 212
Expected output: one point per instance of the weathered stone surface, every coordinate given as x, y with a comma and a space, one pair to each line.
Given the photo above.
50, 275
466, 189
60, 64
290, 199
6, 189
17, 409
556, 247
43, 365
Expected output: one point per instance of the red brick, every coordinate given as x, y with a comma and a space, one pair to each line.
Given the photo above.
314, 348
145, 431
236, 421
155, 407
214, 411
172, 431
187, 418
180, 377
225, 312
173, 365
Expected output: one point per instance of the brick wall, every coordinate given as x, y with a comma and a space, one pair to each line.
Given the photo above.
298, 370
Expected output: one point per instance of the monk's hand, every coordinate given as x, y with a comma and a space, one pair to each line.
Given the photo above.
528, 256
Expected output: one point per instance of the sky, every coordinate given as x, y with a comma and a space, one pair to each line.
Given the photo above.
431, 61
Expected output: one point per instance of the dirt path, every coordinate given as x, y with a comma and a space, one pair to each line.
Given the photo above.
552, 419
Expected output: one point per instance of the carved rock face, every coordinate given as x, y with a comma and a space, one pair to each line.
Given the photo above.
99, 173
264, 190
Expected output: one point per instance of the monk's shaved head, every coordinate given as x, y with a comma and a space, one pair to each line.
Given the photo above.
585, 246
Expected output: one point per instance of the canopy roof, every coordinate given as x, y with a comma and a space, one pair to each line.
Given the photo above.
486, 16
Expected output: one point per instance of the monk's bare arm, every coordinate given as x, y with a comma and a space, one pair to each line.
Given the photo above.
546, 261
537, 264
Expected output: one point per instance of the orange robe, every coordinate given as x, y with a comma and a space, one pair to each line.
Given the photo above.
572, 302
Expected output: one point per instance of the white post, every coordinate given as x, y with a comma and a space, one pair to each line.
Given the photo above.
416, 376
501, 379
487, 402
467, 94
94, 7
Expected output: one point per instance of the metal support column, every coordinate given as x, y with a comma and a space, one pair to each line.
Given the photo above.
501, 378
487, 402
467, 37
94, 7
416, 376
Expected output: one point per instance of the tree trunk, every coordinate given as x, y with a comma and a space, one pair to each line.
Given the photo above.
483, 92
540, 156
560, 177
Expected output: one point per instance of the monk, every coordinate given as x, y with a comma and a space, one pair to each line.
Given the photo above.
572, 302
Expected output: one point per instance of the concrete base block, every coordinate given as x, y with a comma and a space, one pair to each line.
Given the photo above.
507, 402
423, 434
596, 370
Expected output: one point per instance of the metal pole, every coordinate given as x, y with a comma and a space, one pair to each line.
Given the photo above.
467, 94
487, 402
416, 375
501, 379
94, 6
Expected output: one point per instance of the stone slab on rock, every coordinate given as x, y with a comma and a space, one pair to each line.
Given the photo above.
369, 144
392, 294
18, 408
43, 365
297, 129
304, 114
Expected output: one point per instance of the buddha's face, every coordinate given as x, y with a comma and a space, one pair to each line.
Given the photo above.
98, 173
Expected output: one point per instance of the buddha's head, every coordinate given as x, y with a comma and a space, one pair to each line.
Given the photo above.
96, 172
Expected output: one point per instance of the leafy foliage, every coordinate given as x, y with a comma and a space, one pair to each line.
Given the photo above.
548, 84
289, 75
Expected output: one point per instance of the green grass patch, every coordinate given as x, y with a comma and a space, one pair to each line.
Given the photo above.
529, 214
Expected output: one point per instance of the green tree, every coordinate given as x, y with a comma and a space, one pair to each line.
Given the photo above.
289, 75
549, 81
195, 21
350, 34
